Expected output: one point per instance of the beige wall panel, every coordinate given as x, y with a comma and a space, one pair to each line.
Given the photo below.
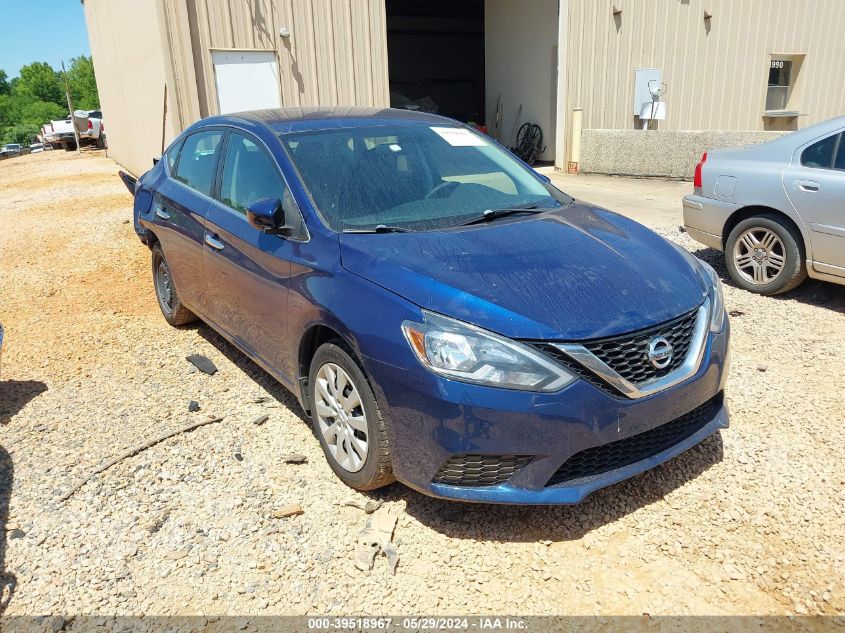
343, 55
331, 57
336, 54
201, 44
302, 35
361, 48
323, 28
131, 66
717, 72
293, 82
378, 48
185, 97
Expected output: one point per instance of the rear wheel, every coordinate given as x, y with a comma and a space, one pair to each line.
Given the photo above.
765, 255
347, 419
168, 299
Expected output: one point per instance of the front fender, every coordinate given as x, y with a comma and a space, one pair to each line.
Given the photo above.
365, 315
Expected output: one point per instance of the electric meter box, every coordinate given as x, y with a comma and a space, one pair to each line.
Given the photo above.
641, 92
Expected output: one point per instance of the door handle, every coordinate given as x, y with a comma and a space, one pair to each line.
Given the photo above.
213, 242
164, 215
808, 185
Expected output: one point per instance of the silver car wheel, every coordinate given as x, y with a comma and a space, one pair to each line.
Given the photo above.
341, 417
164, 289
759, 255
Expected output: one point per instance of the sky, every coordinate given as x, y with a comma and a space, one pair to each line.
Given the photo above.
41, 31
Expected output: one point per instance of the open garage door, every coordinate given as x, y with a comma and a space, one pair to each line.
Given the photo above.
474, 59
435, 54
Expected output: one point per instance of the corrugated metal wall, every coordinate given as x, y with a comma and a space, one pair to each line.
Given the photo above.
336, 52
131, 59
716, 69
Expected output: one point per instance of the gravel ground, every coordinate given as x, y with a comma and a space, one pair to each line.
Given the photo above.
749, 522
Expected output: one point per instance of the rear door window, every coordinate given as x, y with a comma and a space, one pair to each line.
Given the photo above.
171, 156
839, 162
820, 153
198, 161
249, 175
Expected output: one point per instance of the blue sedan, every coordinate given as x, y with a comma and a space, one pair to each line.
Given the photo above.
444, 315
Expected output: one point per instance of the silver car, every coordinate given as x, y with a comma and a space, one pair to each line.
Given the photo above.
777, 210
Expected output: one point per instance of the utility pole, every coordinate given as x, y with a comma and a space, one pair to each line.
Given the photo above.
70, 107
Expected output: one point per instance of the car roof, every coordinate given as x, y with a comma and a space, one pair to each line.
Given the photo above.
286, 120
783, 147
799, 137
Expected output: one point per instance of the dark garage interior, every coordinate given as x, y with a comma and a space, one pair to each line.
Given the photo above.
435, 52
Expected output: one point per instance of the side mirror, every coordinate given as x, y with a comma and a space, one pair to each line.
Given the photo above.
266, 215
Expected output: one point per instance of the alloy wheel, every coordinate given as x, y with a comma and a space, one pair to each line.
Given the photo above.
759, 255
341, 417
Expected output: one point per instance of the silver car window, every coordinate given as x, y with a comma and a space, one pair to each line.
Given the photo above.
820, 154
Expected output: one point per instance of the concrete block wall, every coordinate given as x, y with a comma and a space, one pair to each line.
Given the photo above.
657, 153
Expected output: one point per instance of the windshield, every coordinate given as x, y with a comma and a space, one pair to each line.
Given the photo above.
414, 177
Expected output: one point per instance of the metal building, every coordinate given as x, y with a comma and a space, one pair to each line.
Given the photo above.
750, 67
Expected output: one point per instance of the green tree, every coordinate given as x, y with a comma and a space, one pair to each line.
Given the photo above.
83, 83
40, 112
11, 107
24, 133
4, 83
39, 80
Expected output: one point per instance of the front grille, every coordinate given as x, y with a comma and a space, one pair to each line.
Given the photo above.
627, 354
602, 459
479, 470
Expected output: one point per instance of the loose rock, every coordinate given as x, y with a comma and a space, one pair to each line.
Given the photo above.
288, 511
202, 363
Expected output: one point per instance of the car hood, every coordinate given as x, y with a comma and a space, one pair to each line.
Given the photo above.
577, 273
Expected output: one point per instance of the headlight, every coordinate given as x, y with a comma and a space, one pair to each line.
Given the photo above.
717, 301
464, 352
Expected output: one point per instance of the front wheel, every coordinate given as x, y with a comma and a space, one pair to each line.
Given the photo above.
168, 299
765, 255
347, 419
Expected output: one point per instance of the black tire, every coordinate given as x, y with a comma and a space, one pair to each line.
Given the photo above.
175, 313
791, 248
377, 469
101, 142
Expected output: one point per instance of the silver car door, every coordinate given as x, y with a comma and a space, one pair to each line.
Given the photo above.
815, 184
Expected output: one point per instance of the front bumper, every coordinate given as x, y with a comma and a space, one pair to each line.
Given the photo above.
433, 420
705, 219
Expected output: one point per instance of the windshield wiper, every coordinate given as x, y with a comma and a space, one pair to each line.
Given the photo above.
380, 228
494, 214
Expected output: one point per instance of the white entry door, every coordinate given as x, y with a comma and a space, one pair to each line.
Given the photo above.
246, 80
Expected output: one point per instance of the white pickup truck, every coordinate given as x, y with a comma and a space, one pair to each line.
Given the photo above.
60, 135
89, 125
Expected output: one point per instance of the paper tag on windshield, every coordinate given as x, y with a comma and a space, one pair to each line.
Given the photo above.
459, 137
